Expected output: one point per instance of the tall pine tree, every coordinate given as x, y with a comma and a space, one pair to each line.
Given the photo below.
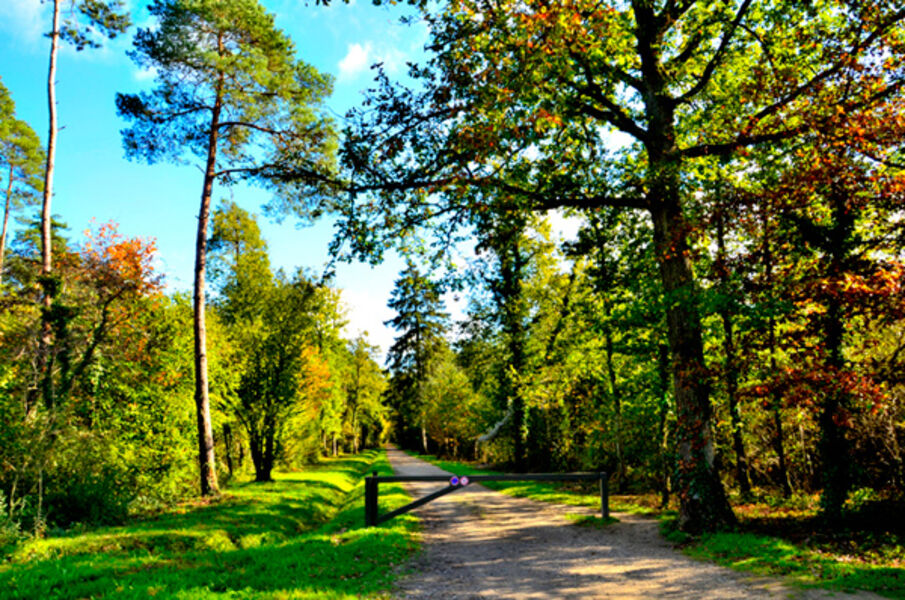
230, 91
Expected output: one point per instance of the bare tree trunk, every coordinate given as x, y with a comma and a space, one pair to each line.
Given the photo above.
46, 259
779, 445
776, 397
617, 406
662, 429
227, 444
6, 209
206, 458
43, 368
731, 365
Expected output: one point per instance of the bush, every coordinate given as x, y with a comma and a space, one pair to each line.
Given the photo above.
88, 483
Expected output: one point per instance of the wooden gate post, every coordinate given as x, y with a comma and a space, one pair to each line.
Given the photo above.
371, 500
604, 496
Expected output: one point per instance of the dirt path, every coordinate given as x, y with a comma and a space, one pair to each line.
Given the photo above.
483, 544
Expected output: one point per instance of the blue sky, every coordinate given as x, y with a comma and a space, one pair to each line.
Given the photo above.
94, 180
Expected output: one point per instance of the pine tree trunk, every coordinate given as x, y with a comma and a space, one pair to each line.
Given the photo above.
43, 364
6, 210
206, 458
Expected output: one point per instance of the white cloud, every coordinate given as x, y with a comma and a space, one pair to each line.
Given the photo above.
355, 61
145, 74
23, 18
366, 312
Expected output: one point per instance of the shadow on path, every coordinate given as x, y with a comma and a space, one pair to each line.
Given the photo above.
483, 544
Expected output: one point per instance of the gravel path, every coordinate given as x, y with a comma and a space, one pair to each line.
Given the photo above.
483, 544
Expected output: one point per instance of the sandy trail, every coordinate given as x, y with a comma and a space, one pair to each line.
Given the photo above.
483, 544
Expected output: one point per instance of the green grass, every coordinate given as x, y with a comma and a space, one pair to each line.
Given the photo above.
801, 565
300, 537
591, 520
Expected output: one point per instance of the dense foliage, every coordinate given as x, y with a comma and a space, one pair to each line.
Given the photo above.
641, 108
728, 316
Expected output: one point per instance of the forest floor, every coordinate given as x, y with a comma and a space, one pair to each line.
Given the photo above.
479, 543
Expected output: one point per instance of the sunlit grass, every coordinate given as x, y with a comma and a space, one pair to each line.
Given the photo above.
774, 556
302, 536
802, 549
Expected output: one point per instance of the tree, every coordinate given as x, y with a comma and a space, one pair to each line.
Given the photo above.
525, 96
421, 322
501, 233
364, 385
231, 92
839, 195
88, 22
21, 157
280, 365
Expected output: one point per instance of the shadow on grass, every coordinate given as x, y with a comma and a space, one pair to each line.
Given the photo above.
299, 537
809, 568
815, 559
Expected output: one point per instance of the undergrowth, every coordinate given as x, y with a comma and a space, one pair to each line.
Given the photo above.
299, 537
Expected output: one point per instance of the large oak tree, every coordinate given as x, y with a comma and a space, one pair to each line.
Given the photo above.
588, 104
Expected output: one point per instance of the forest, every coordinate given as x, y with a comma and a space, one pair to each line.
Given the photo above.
727, 325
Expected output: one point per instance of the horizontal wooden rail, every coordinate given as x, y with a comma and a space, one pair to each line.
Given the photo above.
372, 513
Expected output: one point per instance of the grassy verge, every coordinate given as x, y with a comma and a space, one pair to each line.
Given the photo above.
571, 493
860, 553
300, 537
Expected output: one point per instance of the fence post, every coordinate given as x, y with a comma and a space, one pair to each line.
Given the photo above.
604, 496
371, 500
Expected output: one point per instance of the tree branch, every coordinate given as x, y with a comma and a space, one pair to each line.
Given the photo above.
717, 56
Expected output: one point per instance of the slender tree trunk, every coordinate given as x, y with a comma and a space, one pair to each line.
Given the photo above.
6, 210
509, 302
227, 445
662, 429
206, 458
704, 506
778, 441
43, 364
46, 259
617, 406
731, 365
779, 445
